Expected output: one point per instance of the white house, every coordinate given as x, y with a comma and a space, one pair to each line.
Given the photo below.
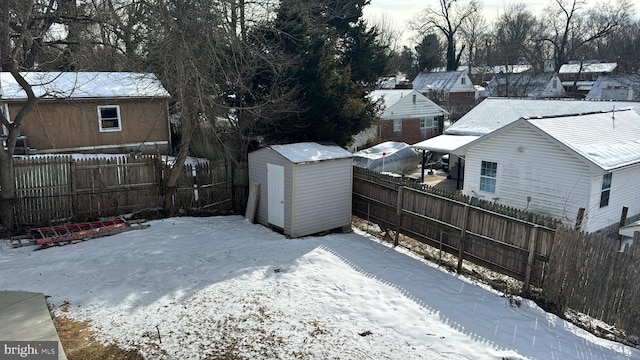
616, 87
494, 113
557, 165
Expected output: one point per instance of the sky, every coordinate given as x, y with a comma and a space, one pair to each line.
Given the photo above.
401, 11
186, 288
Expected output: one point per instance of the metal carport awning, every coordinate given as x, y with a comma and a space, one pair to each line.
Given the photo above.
444, 143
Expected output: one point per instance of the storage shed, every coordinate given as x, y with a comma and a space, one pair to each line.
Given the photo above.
305, 188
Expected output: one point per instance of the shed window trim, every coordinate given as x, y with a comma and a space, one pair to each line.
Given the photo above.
109, 119
605, 194
488, 176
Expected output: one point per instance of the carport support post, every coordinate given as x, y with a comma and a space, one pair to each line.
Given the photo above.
424, 158
463, 234
533, 236
398, 215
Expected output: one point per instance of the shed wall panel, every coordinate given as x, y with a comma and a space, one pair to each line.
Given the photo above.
322, 196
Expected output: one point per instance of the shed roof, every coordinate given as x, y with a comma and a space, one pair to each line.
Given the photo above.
608, 139
310, 152
494, 113
55, 85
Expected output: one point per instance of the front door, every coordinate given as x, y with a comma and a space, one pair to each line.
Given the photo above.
275, 195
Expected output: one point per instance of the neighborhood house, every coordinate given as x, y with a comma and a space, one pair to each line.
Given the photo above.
546, 166
91, 112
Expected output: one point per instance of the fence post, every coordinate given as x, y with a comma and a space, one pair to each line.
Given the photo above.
73, 181
398, 215
623, 222
463, 234
533, 237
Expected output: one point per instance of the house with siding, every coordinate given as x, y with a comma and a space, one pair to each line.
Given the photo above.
579, 76
557, 165
102, 112
408, 116
526, 85
616, 88
453, 90
494, 113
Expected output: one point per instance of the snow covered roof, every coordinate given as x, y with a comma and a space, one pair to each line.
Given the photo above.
605, 82
399, 104
436, 81
607, 139
54, 85
310, 152
494, 113
381, 150
444, 143
575, 68
525, 84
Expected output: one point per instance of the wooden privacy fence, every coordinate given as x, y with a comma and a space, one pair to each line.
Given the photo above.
506, 240
56, 189
589, 273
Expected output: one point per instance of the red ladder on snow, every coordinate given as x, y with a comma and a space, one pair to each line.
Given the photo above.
69, 233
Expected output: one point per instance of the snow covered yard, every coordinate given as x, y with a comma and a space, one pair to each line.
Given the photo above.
192, 288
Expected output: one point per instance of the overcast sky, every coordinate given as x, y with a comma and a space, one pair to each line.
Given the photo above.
402, 11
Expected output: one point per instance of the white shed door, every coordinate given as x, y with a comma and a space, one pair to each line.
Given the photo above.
275, 194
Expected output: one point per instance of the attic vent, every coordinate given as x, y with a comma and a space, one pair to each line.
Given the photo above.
414, 98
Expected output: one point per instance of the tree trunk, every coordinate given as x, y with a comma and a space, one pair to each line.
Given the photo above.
7, 192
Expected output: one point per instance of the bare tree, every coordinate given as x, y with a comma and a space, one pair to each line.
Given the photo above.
473, 29
447, 19
572, 26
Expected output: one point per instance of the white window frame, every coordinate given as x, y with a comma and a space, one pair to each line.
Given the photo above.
488, 176
100, 119
397, 125
425, 120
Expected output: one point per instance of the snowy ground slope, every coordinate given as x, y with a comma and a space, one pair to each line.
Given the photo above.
186, 288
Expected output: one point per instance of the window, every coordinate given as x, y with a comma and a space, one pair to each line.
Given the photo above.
488, 175
463, 80
555, 83
442, 96
606, 190
109, 118
426, 123
397, 125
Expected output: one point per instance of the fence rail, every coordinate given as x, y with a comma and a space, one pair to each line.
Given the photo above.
57, 189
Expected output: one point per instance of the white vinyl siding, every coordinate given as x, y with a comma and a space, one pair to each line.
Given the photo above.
317, 195
624, 191
530, 165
